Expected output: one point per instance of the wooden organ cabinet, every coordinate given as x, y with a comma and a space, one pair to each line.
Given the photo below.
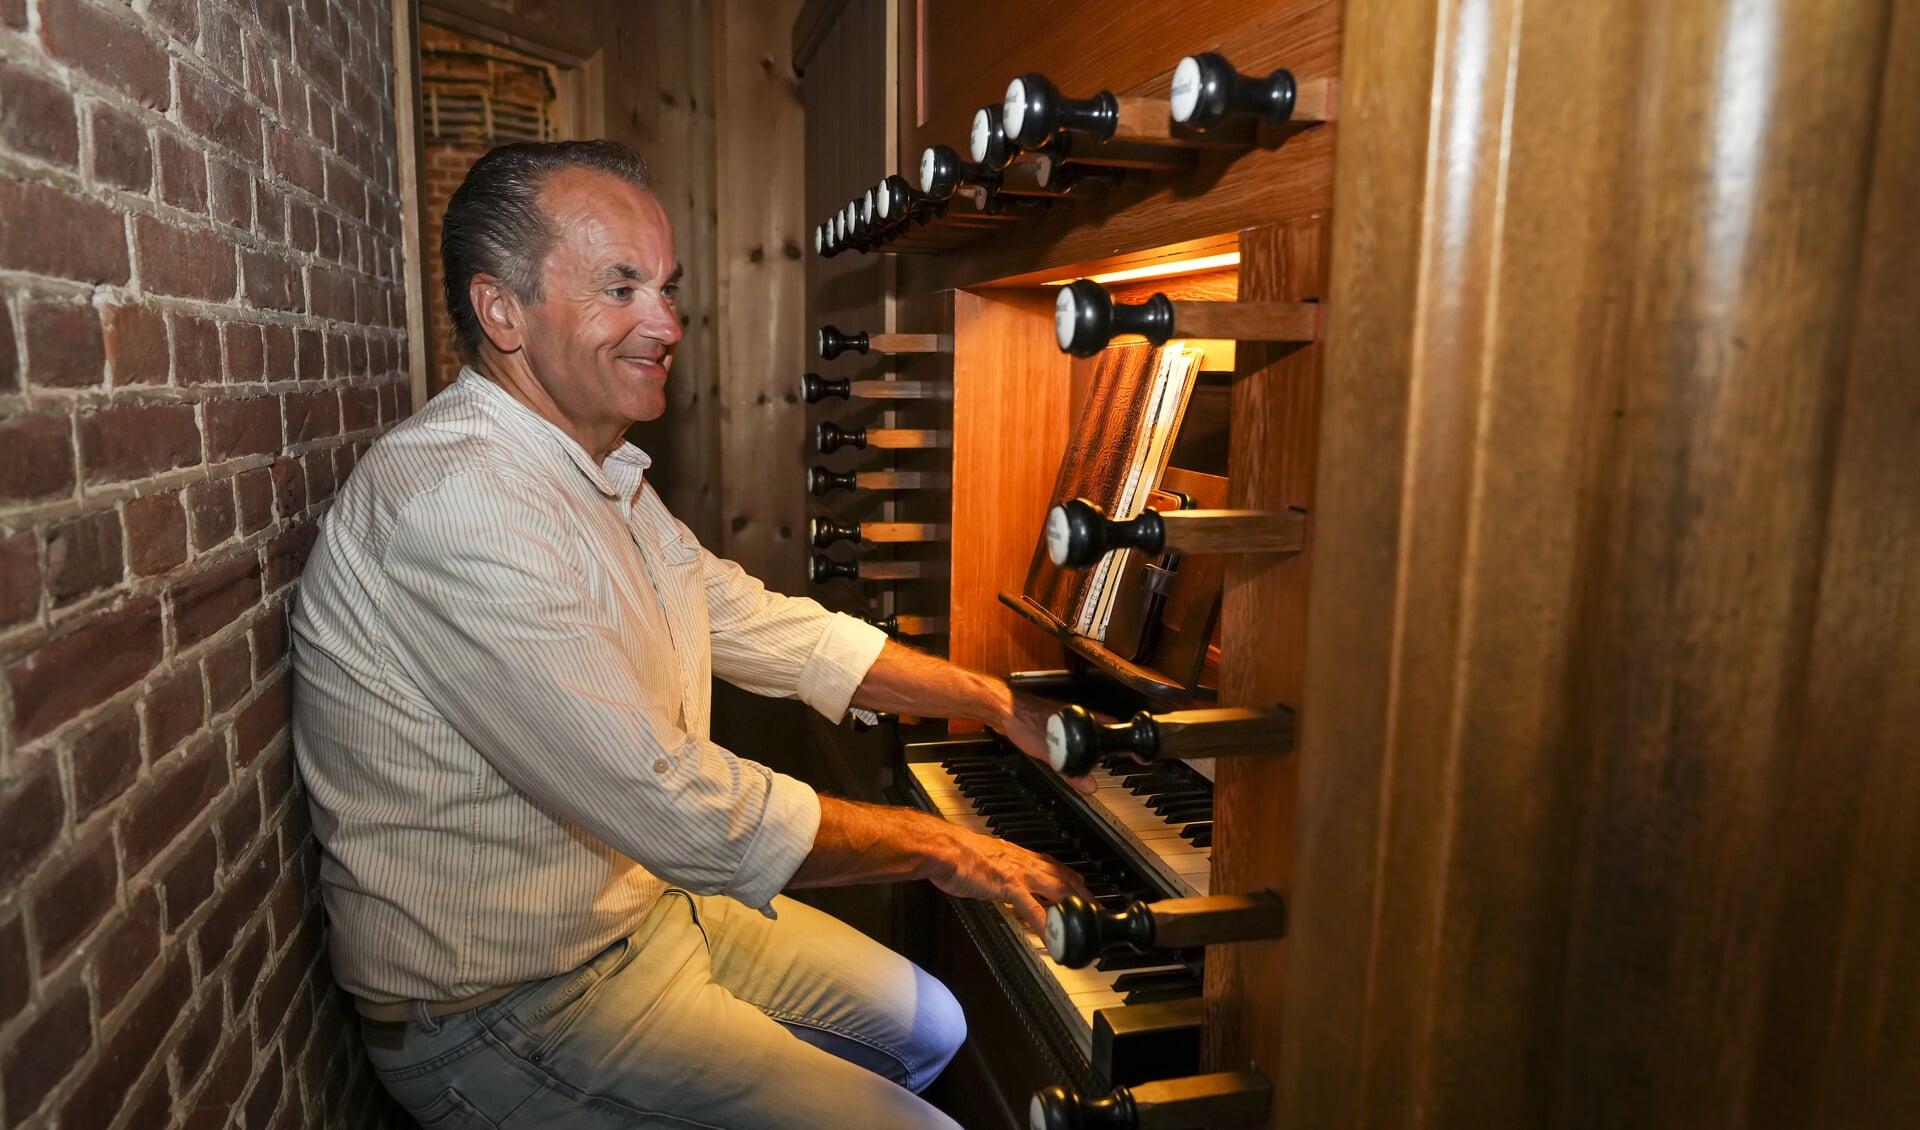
1573, 410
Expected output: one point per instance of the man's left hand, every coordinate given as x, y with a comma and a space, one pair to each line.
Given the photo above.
1024, 723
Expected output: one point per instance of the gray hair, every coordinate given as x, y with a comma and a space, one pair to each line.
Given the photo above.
495, 226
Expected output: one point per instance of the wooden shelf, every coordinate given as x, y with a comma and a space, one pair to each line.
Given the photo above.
1143, 680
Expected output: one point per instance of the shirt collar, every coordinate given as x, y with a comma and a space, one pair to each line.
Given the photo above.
625, 466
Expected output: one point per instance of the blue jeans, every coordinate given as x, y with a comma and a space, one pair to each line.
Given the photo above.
708, 1015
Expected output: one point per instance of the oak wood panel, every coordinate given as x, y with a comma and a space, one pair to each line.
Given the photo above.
1010, 389
1584, 836
1263, 619
760, 238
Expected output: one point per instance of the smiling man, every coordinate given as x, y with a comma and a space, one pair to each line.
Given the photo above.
554, 899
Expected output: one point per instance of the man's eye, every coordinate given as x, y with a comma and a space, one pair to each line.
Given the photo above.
621, 292
671, 291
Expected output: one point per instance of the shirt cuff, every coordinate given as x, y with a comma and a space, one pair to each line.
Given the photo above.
781, 844
839, 663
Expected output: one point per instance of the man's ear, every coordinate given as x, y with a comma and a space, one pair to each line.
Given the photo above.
502, 317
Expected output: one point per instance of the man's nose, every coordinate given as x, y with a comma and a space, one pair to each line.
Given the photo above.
662, 321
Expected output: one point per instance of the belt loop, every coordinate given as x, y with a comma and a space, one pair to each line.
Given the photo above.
424, 1018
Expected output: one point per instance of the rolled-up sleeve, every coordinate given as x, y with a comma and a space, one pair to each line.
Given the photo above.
785, 646
495, 624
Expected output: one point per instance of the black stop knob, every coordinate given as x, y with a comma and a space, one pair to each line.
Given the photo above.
1086, 318
814, 388
942, 172
1208, 91
1076, 740
820, 569
1079, 533
889, 624
833, 343
1035, 110
820, 480
828, 439
823, 532
1079, 931
1062, 1108
989, 145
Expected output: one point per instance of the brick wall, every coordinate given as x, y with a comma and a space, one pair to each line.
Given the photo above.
200, 331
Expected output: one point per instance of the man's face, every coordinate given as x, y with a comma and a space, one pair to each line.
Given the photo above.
601, 338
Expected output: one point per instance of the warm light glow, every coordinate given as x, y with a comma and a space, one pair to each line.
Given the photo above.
1173, 267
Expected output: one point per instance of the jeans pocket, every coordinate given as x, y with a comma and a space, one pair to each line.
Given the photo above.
545, 1015
451, 1111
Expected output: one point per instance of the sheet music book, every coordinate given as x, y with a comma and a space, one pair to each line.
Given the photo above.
1114, 459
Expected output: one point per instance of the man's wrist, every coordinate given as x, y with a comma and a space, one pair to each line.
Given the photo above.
997, 701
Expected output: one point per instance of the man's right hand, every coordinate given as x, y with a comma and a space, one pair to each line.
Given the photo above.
982, 867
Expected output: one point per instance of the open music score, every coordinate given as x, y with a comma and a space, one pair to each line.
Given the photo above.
823, 532
1208, 91
898, 624
1079, 533
1193, 1102
814, 388
822, 569
832, 343
1076, 740
1078, 931
1086, 319
828, 438
820, 480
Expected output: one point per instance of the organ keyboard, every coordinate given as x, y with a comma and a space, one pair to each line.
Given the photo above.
1126, 840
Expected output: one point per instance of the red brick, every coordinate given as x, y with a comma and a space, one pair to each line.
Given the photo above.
110, 652
122, 151
219, 115
250, 954
183, 174
288, 907
186, 881
320, 479
229, 673
245, 354
184, 786
175, 709
32, 812
13, 13
271, 280
298, 161
196, 350
36, 459
67, 908
249, 426
154, 1107
269, 211
279, 344
287, 553
215, 597
135, 339
15, 986
64, 347
313, 357
327, 238
200, 1037
37, 118
181, 17
136, 441
110, 49
319, 117
213, 1106
269, 639
19, 579
45, 1051
220, 43
9, 351
210, 513
312, 415
129, 1049
360, 409
261, 722
83, 557
229, 193
345, 190
189, 262
330, 293
131, 944
105, 761
264, 1099
239, 829
255, 492
44, 231
302, 226
156, 534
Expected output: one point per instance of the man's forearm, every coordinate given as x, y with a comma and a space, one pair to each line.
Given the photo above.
870, 843
905, 681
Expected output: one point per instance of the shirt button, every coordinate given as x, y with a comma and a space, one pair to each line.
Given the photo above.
659, 765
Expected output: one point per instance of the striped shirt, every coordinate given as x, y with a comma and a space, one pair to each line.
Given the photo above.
502, 665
